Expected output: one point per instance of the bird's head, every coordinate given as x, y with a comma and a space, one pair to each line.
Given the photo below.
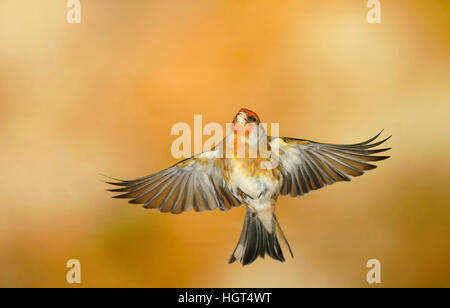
246, 126
247, 133
246, 117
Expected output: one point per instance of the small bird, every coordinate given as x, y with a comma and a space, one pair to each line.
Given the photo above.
250, 168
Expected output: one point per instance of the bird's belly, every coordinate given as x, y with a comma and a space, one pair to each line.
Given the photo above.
248, 182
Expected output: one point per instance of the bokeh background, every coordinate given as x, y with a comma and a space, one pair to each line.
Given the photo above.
77, 100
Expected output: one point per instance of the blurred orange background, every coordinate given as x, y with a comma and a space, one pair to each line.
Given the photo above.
77, 100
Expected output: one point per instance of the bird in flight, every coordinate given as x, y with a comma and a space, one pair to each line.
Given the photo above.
250, 168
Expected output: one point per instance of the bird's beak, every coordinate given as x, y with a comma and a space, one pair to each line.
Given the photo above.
241, 118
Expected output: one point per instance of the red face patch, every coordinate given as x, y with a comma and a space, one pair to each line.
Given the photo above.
250, 113
243, 130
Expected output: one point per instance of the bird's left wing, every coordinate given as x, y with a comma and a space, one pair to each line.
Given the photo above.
194, 183
308, 165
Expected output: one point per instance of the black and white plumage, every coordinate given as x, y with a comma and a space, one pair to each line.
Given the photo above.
212, 180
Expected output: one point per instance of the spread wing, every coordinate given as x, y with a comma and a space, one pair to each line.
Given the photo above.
308, 165
194, 183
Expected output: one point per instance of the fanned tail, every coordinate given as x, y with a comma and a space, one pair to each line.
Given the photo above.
256, 241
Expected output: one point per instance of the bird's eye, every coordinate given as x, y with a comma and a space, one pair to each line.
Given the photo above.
252, 119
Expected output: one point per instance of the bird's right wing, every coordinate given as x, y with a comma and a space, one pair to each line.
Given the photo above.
308, 165
194, 183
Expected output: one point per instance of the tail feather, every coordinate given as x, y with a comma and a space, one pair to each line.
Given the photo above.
256, 240
278, 227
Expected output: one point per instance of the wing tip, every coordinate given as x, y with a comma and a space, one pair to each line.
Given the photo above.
119, 197
382, 157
